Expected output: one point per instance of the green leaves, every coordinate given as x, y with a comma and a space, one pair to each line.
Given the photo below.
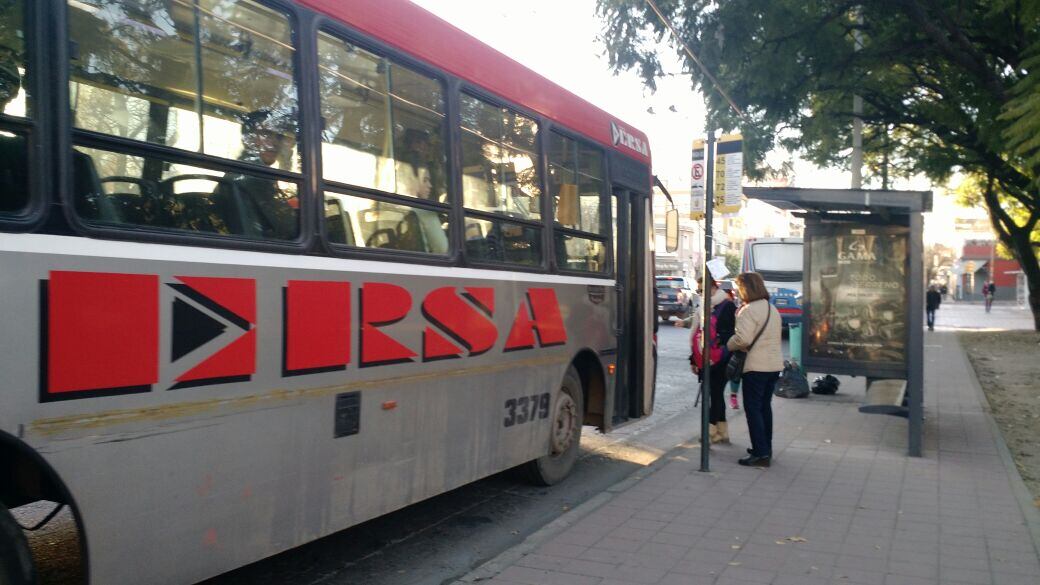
1022, 113
948, 87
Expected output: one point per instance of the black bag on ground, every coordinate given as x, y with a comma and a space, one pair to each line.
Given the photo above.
792, 383
825, 385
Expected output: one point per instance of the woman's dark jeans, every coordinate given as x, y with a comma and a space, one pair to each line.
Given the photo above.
758, 397
717, 384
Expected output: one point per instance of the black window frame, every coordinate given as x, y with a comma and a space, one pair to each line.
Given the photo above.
34, 127
70, 137
606, 217
53, 139
546, 263
344, 32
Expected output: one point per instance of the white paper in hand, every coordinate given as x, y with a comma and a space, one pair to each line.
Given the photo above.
717, 268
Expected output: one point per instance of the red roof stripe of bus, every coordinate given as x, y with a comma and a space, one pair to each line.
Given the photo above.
423, 35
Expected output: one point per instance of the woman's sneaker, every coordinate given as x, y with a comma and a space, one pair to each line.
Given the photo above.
733, 401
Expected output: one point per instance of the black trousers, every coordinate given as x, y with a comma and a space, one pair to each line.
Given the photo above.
930, 316
758, 408
717, 382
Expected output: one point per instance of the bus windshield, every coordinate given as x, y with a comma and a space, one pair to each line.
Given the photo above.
779, 261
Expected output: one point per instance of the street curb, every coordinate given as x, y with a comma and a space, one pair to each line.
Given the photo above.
1018, 486
511, 555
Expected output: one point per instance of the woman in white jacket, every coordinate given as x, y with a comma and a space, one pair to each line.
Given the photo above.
762, 367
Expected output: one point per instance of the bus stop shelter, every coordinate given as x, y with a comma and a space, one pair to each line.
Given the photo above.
863, 291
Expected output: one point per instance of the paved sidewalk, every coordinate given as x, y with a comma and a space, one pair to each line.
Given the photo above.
842, 504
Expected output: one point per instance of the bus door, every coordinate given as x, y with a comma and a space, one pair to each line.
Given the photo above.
634, 344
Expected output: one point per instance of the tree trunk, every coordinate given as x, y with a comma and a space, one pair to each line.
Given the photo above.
1022, 247
1019, 240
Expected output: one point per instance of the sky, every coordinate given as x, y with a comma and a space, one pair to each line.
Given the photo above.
559, 40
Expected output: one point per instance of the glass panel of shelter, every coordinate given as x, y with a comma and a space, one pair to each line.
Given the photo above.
214, 77
14, 103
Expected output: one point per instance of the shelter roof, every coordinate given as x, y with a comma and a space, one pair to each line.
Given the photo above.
842, 200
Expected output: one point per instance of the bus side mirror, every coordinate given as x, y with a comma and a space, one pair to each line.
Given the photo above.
671, 230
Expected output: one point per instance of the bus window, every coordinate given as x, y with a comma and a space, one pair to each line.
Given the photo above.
576, 185
584, 254
501, 241
191, 76
184, 197
14, 165
499, 155
380, 224
383, 123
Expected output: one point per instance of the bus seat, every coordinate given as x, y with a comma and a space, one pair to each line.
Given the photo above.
338, 228
90, 202
409, 234
195, 209
143, 207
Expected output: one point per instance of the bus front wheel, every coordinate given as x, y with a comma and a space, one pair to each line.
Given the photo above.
16, 565
564, 434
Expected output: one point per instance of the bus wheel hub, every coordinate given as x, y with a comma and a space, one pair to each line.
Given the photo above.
565, 424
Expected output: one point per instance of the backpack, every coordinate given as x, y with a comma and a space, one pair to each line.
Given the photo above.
717, 351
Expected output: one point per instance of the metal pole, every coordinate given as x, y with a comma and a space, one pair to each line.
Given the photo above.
709, 207
915, 351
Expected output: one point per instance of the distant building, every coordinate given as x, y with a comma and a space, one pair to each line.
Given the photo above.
978, 264
685, 261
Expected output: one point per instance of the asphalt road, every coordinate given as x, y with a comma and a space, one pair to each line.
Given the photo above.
442, 538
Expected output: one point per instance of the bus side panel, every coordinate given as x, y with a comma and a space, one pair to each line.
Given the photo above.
197, 469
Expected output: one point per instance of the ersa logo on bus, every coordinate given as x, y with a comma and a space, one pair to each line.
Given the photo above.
102, 333
621, 137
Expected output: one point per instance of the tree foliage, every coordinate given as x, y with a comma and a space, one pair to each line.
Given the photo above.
947, 86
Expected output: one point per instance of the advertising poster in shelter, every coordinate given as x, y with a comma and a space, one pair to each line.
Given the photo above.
858, 279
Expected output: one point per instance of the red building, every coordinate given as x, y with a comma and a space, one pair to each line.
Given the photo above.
975, 260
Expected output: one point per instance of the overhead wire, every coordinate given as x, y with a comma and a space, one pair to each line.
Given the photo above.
693, 57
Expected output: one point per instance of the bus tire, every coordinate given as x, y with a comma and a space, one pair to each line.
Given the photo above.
16, 565
564, 434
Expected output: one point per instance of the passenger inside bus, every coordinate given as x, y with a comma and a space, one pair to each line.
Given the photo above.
413, 166
14, 171
14, 160
259, 204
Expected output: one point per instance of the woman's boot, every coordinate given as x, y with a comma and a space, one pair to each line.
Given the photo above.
723, 432
713, 433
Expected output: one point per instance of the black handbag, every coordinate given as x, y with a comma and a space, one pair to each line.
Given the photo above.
735, 366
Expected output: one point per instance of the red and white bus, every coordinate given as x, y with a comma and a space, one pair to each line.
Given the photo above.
269, 269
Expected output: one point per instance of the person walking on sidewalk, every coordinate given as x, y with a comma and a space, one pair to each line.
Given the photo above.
722, 324
989, 290
932, 300
757, 318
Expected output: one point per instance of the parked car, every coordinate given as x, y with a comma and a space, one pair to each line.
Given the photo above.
675, 296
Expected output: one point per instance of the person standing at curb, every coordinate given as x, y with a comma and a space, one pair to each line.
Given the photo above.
932, 300
723, 321
758, 326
